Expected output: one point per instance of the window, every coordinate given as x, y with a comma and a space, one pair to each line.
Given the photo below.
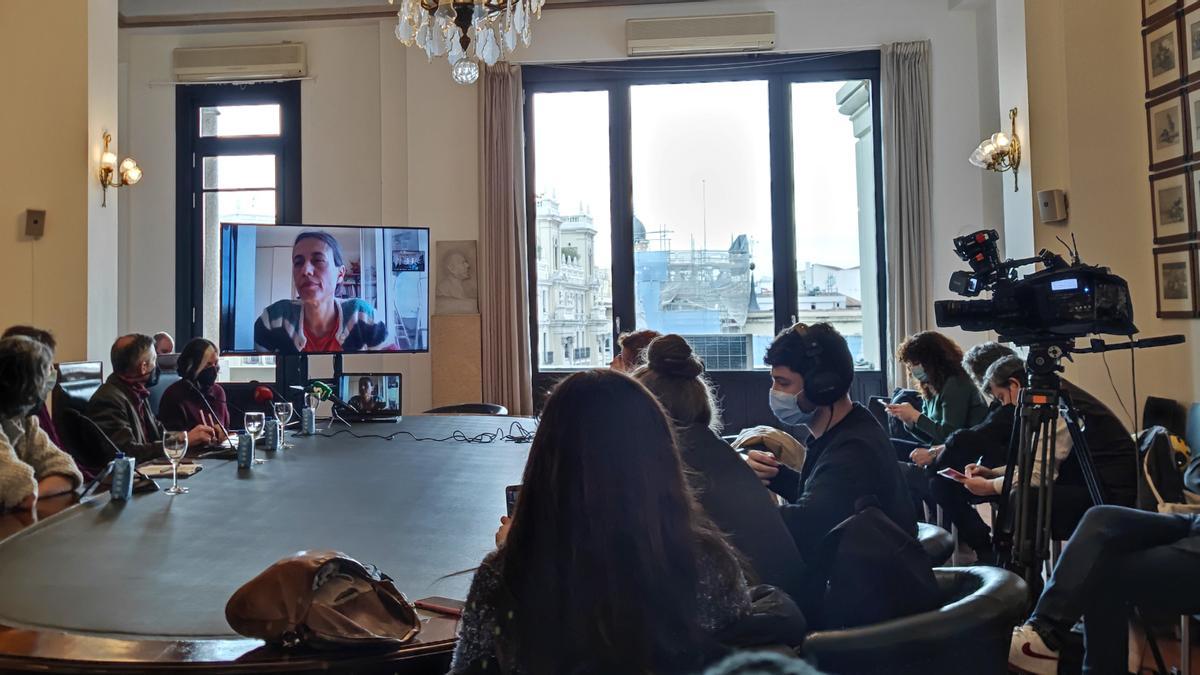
238, 162
723, 200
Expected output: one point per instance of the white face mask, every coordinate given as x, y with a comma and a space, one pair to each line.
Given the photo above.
787, 409
918, 373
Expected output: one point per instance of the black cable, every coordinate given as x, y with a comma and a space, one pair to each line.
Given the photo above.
517, 433
1133, 374
1112, 383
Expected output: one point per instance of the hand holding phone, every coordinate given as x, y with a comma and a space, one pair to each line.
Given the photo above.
510, 497
952, 474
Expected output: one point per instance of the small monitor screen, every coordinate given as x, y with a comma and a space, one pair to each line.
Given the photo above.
318, 289
1071, 284
369, 393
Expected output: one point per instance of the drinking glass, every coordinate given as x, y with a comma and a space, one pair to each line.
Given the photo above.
254, 427
175, 445
283, 413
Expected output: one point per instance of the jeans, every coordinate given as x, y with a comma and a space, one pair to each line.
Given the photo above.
1119, 557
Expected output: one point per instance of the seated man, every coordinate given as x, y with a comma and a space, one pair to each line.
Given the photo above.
849, 455
121, 406
164, 343
1114, 454
1116, 558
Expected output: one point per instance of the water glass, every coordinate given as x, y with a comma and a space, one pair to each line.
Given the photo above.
283, 413
175, 444
254, 422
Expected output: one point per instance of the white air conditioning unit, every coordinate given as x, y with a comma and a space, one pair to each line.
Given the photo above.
701, 34
241, 62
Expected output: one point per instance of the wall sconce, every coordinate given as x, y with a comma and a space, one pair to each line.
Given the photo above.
1000, 152
128, 173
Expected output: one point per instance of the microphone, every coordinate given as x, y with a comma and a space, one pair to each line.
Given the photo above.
96, 430
260, 385
215, 417
324, 392
264, 394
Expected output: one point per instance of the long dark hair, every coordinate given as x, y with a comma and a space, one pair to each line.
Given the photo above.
601, 563
940, 356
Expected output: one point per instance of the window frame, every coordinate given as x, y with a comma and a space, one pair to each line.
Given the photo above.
780, 72
189, 176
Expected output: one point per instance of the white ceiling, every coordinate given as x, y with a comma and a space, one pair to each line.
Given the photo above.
135, 8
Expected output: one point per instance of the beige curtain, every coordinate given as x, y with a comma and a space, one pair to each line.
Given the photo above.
907, 143
504, 290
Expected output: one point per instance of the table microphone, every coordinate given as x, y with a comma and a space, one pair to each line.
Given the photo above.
324, 392
96, 428
215, 417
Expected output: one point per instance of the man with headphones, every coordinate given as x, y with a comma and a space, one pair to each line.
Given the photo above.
849, 454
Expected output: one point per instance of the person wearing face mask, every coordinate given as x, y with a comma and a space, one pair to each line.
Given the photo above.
950, 401
121, 406
31, 465
196, 399
849, 455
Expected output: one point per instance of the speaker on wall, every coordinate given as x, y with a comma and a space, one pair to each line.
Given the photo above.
1052, 206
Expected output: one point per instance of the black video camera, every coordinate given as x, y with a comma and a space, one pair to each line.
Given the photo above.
1062, 301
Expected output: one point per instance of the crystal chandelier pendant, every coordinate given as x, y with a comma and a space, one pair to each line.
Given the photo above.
467, 32
466, 71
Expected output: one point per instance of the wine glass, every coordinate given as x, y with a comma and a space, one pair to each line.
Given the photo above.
254, 427
283, 413
175, 445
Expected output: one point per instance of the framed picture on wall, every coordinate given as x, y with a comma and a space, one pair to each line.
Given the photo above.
1164, 65
1171, 194
1167, 126
1193, 109
1191, 42
1175, 281
1153, 10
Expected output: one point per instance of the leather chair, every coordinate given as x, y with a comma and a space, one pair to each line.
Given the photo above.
969, 633
937, 542
77, 381
469, 409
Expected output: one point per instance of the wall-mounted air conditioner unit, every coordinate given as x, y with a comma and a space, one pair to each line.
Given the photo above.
241, 62
701, 34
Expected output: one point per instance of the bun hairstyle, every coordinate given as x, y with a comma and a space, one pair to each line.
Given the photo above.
675, 375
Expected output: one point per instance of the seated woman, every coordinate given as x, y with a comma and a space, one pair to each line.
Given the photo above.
366, 400
317, 321
196, 399
631, 350
950, 400
610, 565
47, 339
31, 466
725, 485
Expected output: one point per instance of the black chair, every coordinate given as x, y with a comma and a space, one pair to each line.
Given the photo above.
167, 376
937, 542
969, 633
77, 381
469, 409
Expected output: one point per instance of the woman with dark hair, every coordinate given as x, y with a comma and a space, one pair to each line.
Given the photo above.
196, 399
725, 486
317, 320
631, 349
47, 339
30, 464
951, 400
610, 565
367, 398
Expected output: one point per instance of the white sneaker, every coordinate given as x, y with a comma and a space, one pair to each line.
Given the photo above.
1029, 654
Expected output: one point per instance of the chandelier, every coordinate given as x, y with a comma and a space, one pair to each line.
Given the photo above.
466, 32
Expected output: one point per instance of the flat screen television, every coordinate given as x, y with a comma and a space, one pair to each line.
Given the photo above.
323, 289
371, 393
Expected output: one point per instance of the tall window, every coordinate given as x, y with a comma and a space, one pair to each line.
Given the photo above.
239, 162
720, 199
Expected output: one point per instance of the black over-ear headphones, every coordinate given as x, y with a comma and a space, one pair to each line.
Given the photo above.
822, 386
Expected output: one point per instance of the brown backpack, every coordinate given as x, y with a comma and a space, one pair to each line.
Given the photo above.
322, 599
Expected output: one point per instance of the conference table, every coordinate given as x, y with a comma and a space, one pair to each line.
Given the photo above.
141, 586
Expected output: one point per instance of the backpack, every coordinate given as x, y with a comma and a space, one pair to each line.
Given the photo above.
873, 570
1161, 475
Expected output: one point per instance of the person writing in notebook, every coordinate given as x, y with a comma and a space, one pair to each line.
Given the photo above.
317, 321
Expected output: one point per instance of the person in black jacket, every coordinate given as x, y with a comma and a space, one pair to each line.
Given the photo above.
849, 454
726, 488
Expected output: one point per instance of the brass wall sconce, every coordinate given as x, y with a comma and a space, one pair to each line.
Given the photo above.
111, 175
1000, 152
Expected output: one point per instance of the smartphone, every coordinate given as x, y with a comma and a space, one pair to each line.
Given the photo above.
447, 606
956, 476
510, 497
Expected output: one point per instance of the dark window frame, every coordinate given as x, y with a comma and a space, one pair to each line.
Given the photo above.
190, 147
780, 71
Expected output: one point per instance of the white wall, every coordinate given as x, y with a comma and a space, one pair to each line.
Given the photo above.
388, 138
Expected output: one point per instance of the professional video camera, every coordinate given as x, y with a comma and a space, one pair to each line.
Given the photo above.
1061, 302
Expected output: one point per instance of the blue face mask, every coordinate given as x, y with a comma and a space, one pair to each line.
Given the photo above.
918, 373
788, 411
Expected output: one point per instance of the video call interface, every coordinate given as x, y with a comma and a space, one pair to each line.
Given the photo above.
370, 393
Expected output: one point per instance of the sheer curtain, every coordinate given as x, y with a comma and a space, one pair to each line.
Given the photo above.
504, 291
907, 143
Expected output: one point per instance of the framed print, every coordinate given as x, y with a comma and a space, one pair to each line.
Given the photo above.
1153, 10
1166, 121
1175, 281
1191, 42
1173, 198
1193, 109
1164, 67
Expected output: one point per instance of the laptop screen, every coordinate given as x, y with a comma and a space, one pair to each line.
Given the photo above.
371, 393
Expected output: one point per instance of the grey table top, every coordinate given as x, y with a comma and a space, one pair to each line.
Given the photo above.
161, 566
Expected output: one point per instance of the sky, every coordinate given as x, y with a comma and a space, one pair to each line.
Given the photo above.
701, 165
